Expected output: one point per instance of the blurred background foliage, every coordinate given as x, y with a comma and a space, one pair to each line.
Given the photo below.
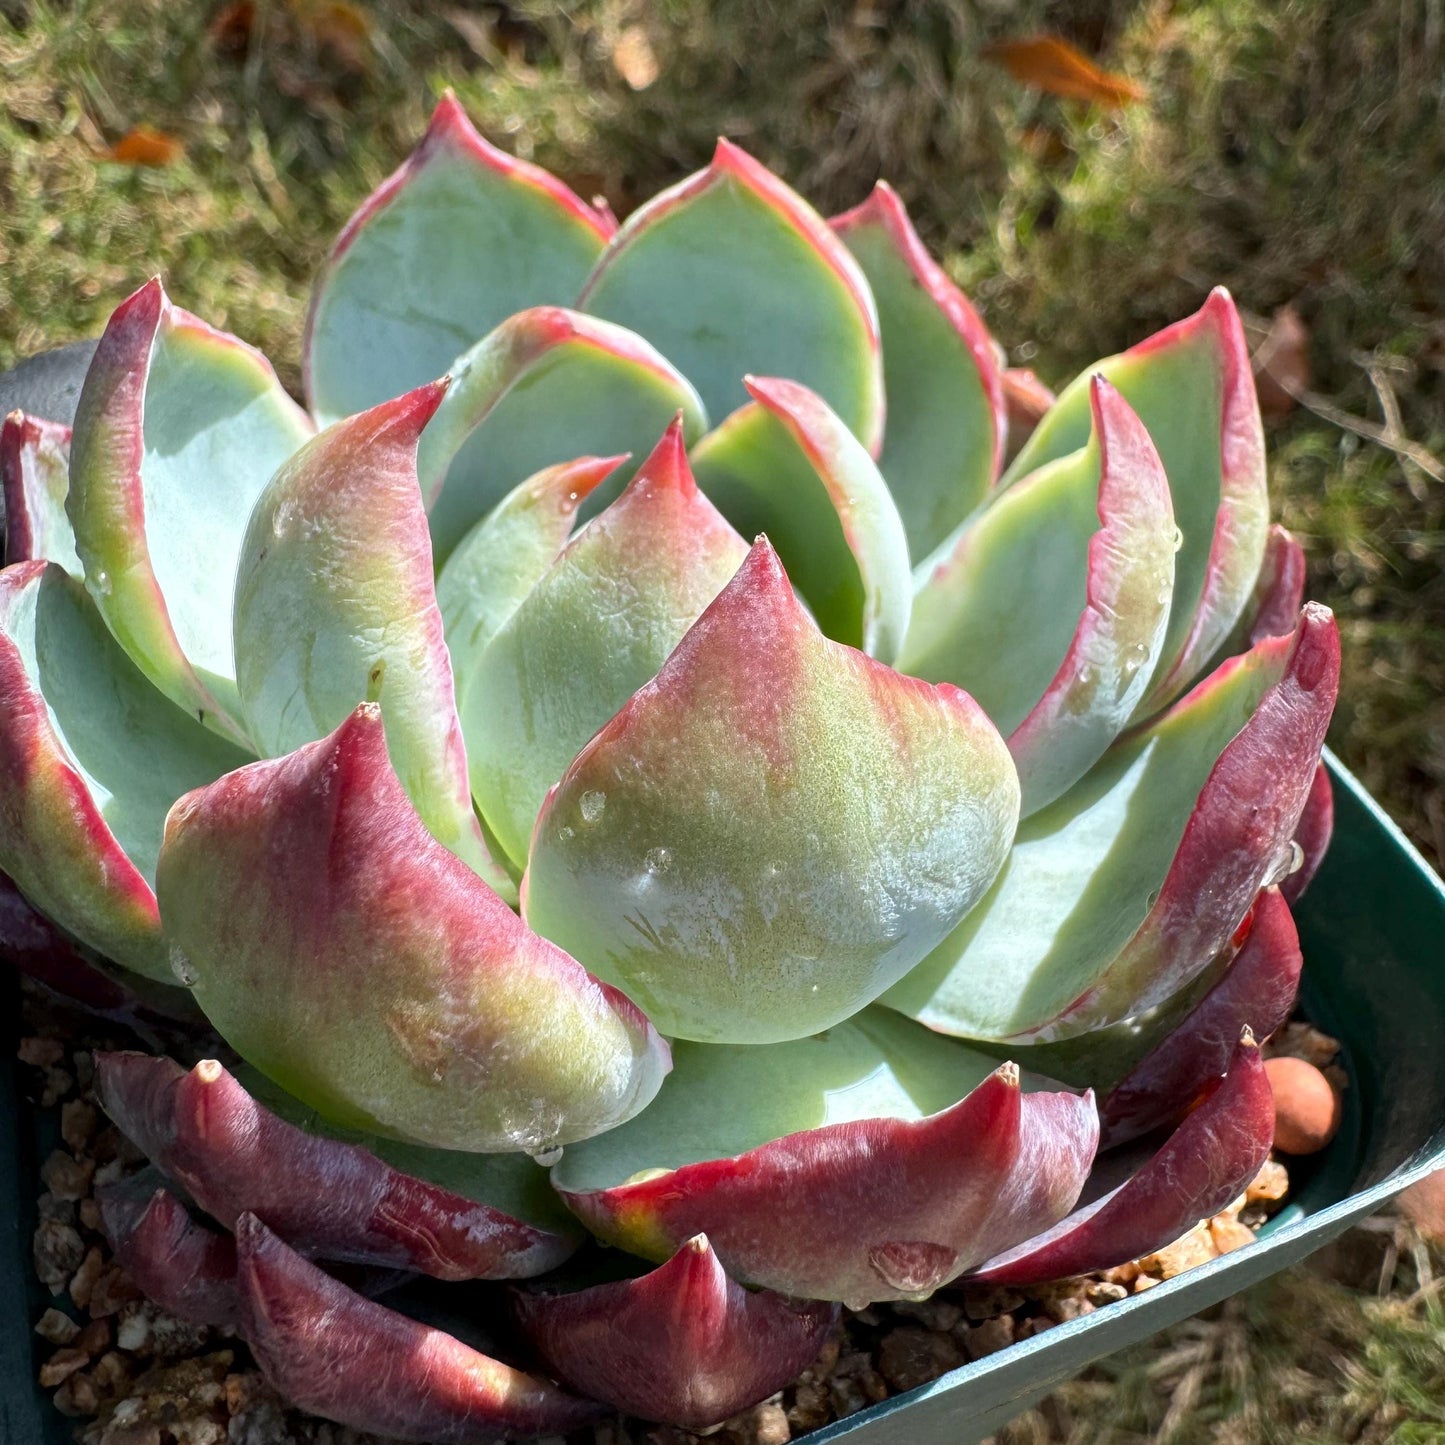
1290, 149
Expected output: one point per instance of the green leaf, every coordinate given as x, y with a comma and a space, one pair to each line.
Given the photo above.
731, 272
787, 466
774, 829
1192, 388
547, 385
91, 759
178, 429
594, 629
449, 246
943, 448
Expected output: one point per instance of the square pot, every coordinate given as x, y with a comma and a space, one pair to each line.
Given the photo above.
1372, 926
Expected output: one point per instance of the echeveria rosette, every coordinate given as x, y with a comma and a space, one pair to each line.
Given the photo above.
664, 581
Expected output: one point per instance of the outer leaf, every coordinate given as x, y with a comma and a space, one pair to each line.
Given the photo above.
1316, 826
845, 1166
1192, 387
185, 1268
178, 429
773, 829
457, 239
1278, 592
546, 385
598, 625
1257, 993
1051, 606
731, 272
327, 1350
91, 756
34, 478
1028, 401
787, 466
683, 1345
1206, 1162
292, 889
335, 602
323, 1196
1128, 886
946, 412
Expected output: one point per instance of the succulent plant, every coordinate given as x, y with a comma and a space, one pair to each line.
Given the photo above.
593, 771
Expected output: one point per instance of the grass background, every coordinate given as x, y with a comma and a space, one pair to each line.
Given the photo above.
1293, 150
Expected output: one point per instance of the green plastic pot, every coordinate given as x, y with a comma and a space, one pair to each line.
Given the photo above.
1373, 930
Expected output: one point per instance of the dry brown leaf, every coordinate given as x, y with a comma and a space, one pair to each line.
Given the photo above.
634, 58
146, 146
1282, 363
338, 26
1053, 65
231, 27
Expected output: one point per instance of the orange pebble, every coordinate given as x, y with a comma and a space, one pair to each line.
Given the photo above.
1306, 1111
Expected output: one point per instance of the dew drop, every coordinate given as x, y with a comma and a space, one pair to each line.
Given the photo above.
546, 1156
658, 860
591, 804
183, 968
1178, 538
102, 583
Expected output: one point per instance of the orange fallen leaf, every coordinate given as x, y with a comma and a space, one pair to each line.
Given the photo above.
146, 146
1282, 363
1053, 65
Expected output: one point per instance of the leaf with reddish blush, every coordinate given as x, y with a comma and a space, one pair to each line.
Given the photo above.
185, 1268
1257, 992
290, 890
1316, 827
683, 1345
875, 1161
1124, 890
773, 829
1203, 1165
455, 241
326, 1198
329, 1351
34, 481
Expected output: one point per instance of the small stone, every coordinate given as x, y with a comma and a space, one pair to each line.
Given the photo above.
67, 1177
1062, 1306
1270, 1185
57, 1327
847, 1396
62, 1365
113, 1291
810, 1407
58, 1250
1195, 1247
79, 1120
1040, 1324
983, 1302
58, 1085
82, 1286
1124, 1274
48, 1206
88, 1213
1300, 1040
1105, 1292
989, 1337
765, 1424
111, 1373
1229, 1234
94, 1339
83, 1062
911, 1356
111, 1145
40, 1053
1146, 1281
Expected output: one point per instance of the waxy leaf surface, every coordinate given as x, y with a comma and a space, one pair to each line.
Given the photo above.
178, 429
593, 630
875, 1161
1257, 993
786, 465
1204, 1164
943, 447
1050, 607
772, 830
544, 387
34, 480
91, 757
323, 1196
730, 272
292, 890
335, 603
185, 1268
451, 244
1313, 834
683, 1345
1121, 892
327, 1350
1192, 388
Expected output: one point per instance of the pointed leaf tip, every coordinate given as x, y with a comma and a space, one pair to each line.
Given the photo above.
327, 1350
683, 1345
